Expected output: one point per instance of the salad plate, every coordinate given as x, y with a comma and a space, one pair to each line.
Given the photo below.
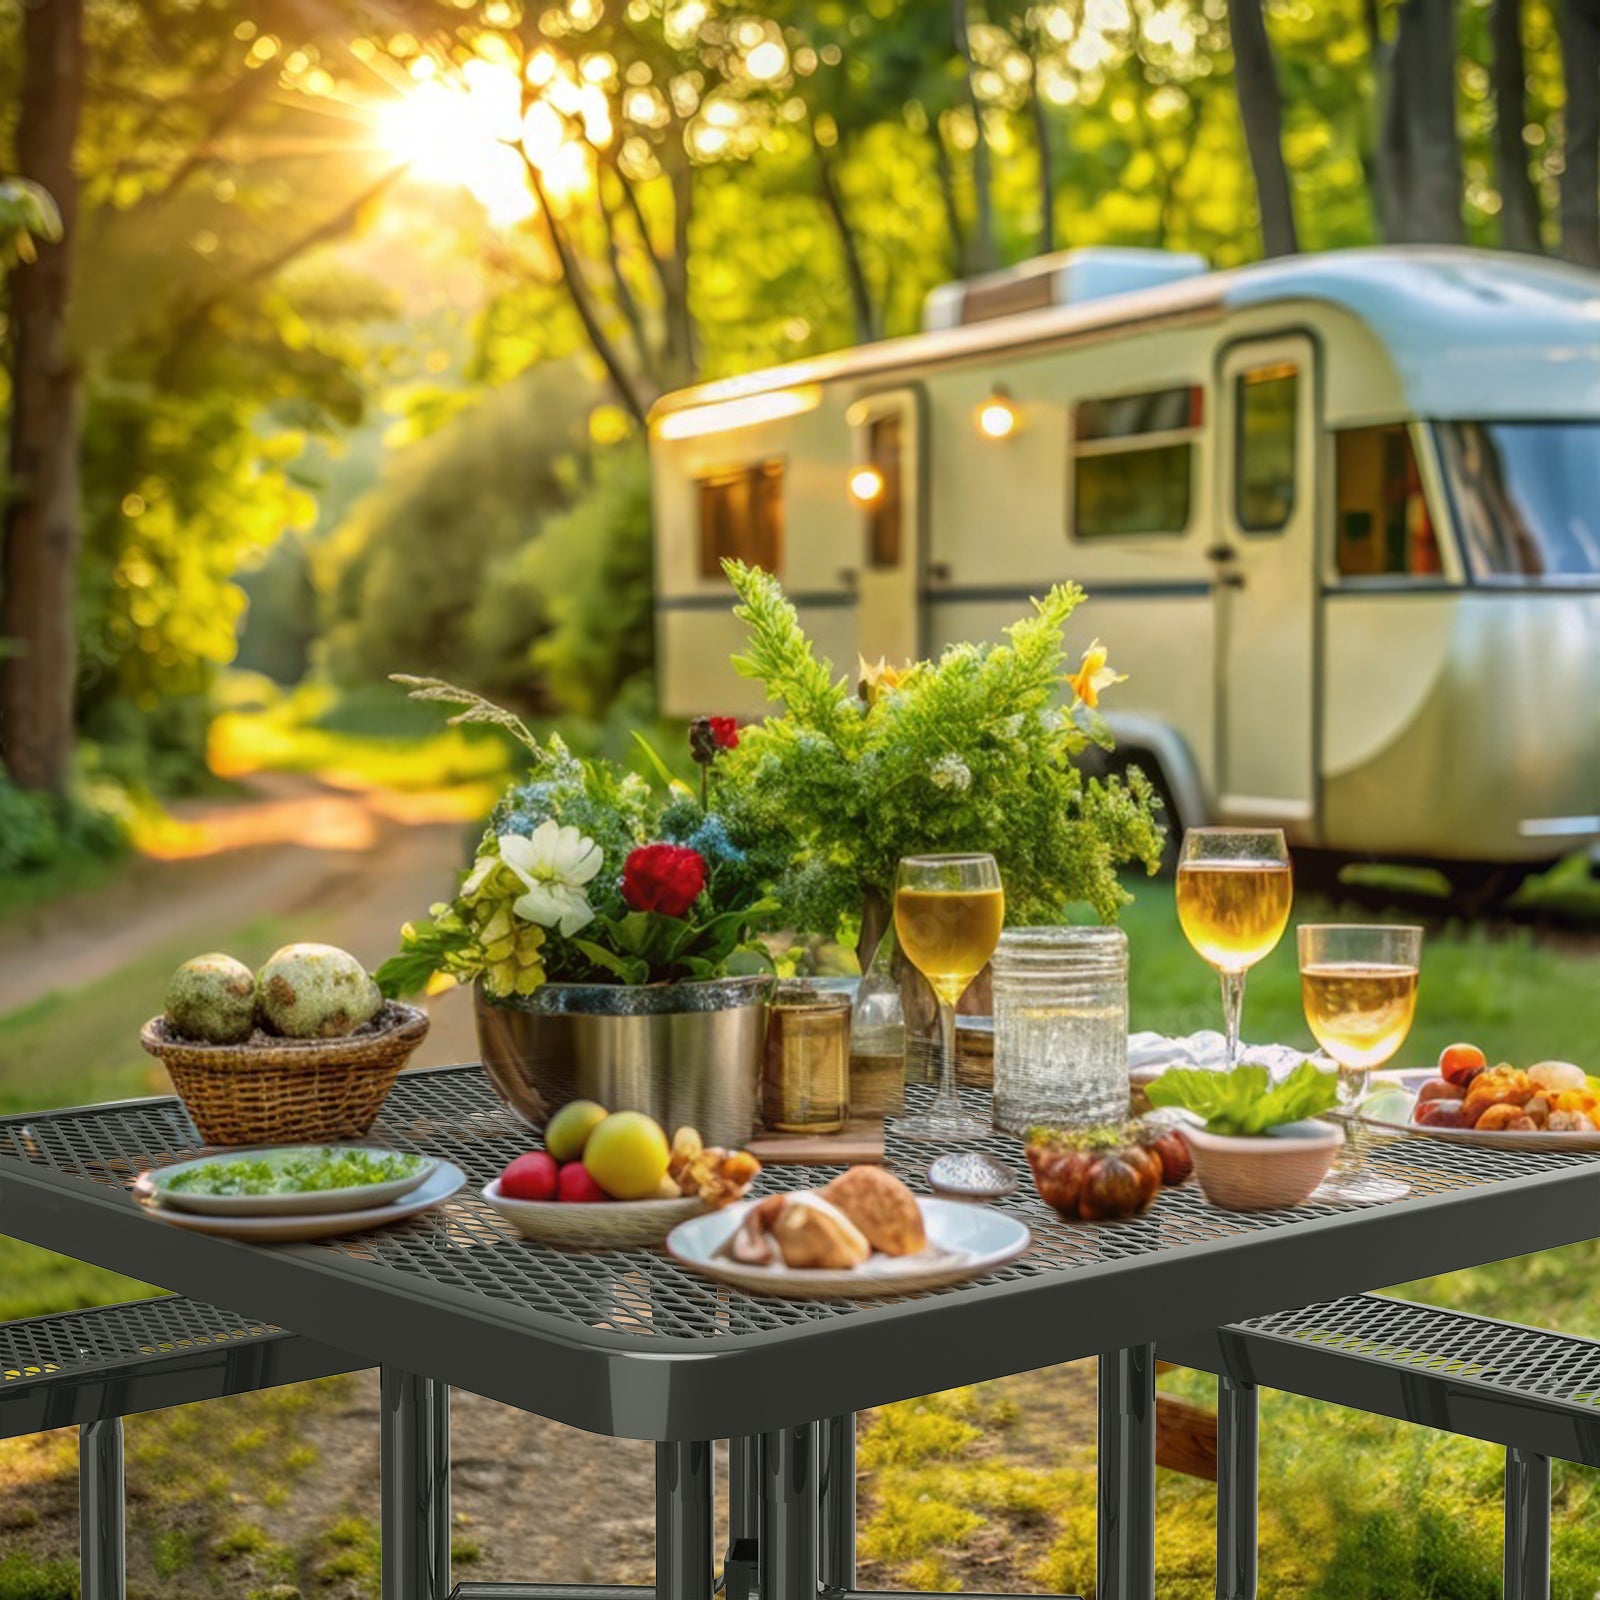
439, 1185
288, 1180
964, 1241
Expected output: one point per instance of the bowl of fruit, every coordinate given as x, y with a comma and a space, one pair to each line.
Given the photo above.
614, 1181
1551, 1105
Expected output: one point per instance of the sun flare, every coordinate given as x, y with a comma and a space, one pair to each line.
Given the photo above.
466, 131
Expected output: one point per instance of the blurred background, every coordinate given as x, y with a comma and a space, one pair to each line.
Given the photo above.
330, 328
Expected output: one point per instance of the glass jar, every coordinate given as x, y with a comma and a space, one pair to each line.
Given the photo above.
805, 1072
1060, 1028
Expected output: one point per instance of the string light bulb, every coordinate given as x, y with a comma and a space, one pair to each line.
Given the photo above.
997, 416
866, 485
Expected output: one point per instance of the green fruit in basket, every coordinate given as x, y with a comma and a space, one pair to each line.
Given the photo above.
315, 991
567, 1132
212, 998
627, 1155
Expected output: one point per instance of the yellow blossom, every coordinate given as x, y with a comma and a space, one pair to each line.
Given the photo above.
1093, 676
879, 678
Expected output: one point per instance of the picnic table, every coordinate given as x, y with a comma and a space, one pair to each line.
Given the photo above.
632, 1344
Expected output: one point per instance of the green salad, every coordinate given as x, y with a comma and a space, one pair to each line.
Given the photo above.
298, 1172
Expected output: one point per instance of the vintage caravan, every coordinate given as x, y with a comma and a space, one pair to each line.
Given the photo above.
1338, 517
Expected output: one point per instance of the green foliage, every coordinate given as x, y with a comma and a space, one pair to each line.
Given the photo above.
588, 576
39, 832
411, 577
972, 752
1246, 1101
27, 215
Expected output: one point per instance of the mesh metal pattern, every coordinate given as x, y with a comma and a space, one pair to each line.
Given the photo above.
1521, 1361
81, 1343
452, 1112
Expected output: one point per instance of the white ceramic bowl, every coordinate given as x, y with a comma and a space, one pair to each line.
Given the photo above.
1265, 1171
596, 1225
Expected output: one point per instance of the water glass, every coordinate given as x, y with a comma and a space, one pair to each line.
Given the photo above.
1060, 1028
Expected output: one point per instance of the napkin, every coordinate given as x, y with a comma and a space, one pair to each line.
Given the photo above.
1150, 1054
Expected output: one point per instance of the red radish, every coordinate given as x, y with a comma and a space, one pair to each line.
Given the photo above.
530, 1177
576, 1186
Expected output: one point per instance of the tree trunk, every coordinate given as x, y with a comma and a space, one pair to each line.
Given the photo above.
1047, 166
1519, 201
984, 257
1580, 177
855, 273
1421, 149
41, 529
947, 194
682, 357
1256, 79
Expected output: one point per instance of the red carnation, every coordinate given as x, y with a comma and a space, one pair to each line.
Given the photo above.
725, 730
663, 877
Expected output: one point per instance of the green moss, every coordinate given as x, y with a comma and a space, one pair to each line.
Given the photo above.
171, 1550
23, 1578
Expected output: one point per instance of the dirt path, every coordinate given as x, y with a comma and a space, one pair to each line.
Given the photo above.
360, 861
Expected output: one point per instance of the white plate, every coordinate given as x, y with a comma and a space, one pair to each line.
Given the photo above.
310, 1202
594, 1225
444, 1181
963, 1241
1507, 1140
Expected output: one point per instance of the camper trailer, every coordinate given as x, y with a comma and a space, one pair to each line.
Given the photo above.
1338, 518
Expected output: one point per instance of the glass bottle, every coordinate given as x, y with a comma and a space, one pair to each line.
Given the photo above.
878, 1038
1060, 1028
806, 1066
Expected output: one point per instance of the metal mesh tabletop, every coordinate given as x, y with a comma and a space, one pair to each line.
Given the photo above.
463, 1257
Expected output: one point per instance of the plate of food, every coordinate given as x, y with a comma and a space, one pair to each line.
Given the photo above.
1553, 1105
863, 1234
288, 1180
612, 1181
439, 1185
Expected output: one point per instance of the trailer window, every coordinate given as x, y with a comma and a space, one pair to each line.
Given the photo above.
1267, 406
1383, 526
884, 513
1133, 462
741, 518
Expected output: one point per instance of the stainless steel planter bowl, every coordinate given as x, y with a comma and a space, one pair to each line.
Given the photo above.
685, 1053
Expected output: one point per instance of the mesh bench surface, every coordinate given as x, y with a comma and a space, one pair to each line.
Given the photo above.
1525, 1388
88, 1366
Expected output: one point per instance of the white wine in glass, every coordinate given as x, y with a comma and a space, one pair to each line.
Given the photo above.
1358, 984
1235, 888
948, 913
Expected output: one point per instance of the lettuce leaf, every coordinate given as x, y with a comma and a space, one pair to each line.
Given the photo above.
1245, 1101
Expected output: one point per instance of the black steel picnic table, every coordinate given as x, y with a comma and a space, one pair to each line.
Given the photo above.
635, 1345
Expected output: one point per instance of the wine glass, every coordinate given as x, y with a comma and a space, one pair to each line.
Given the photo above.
1359, 987
1234, 892
948, 912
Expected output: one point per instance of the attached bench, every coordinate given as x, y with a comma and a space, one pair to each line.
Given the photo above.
90, 1369
1533, 1392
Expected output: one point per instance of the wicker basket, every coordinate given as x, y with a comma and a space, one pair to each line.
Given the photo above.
288, 1091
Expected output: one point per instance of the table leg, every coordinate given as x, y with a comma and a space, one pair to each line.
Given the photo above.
684, 1535
414, 1451
1527, 1569
744, 1517
101, 1551
788, 1540
837, 1557
1126, 1557
1237, 1435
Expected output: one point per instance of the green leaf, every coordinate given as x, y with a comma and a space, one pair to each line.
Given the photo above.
1245, 1101
626, 969
661, 769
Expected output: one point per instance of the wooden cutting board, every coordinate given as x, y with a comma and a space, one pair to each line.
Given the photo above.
858, 1143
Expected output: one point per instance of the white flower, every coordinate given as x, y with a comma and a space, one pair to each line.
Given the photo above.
951, 772
554, 865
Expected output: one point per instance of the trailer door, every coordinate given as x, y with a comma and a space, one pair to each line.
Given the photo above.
886, 488
1266, 589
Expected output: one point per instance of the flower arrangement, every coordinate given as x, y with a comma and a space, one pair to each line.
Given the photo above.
586, 875
974, 751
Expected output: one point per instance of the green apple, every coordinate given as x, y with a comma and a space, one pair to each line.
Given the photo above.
567, 1132
627, 1155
